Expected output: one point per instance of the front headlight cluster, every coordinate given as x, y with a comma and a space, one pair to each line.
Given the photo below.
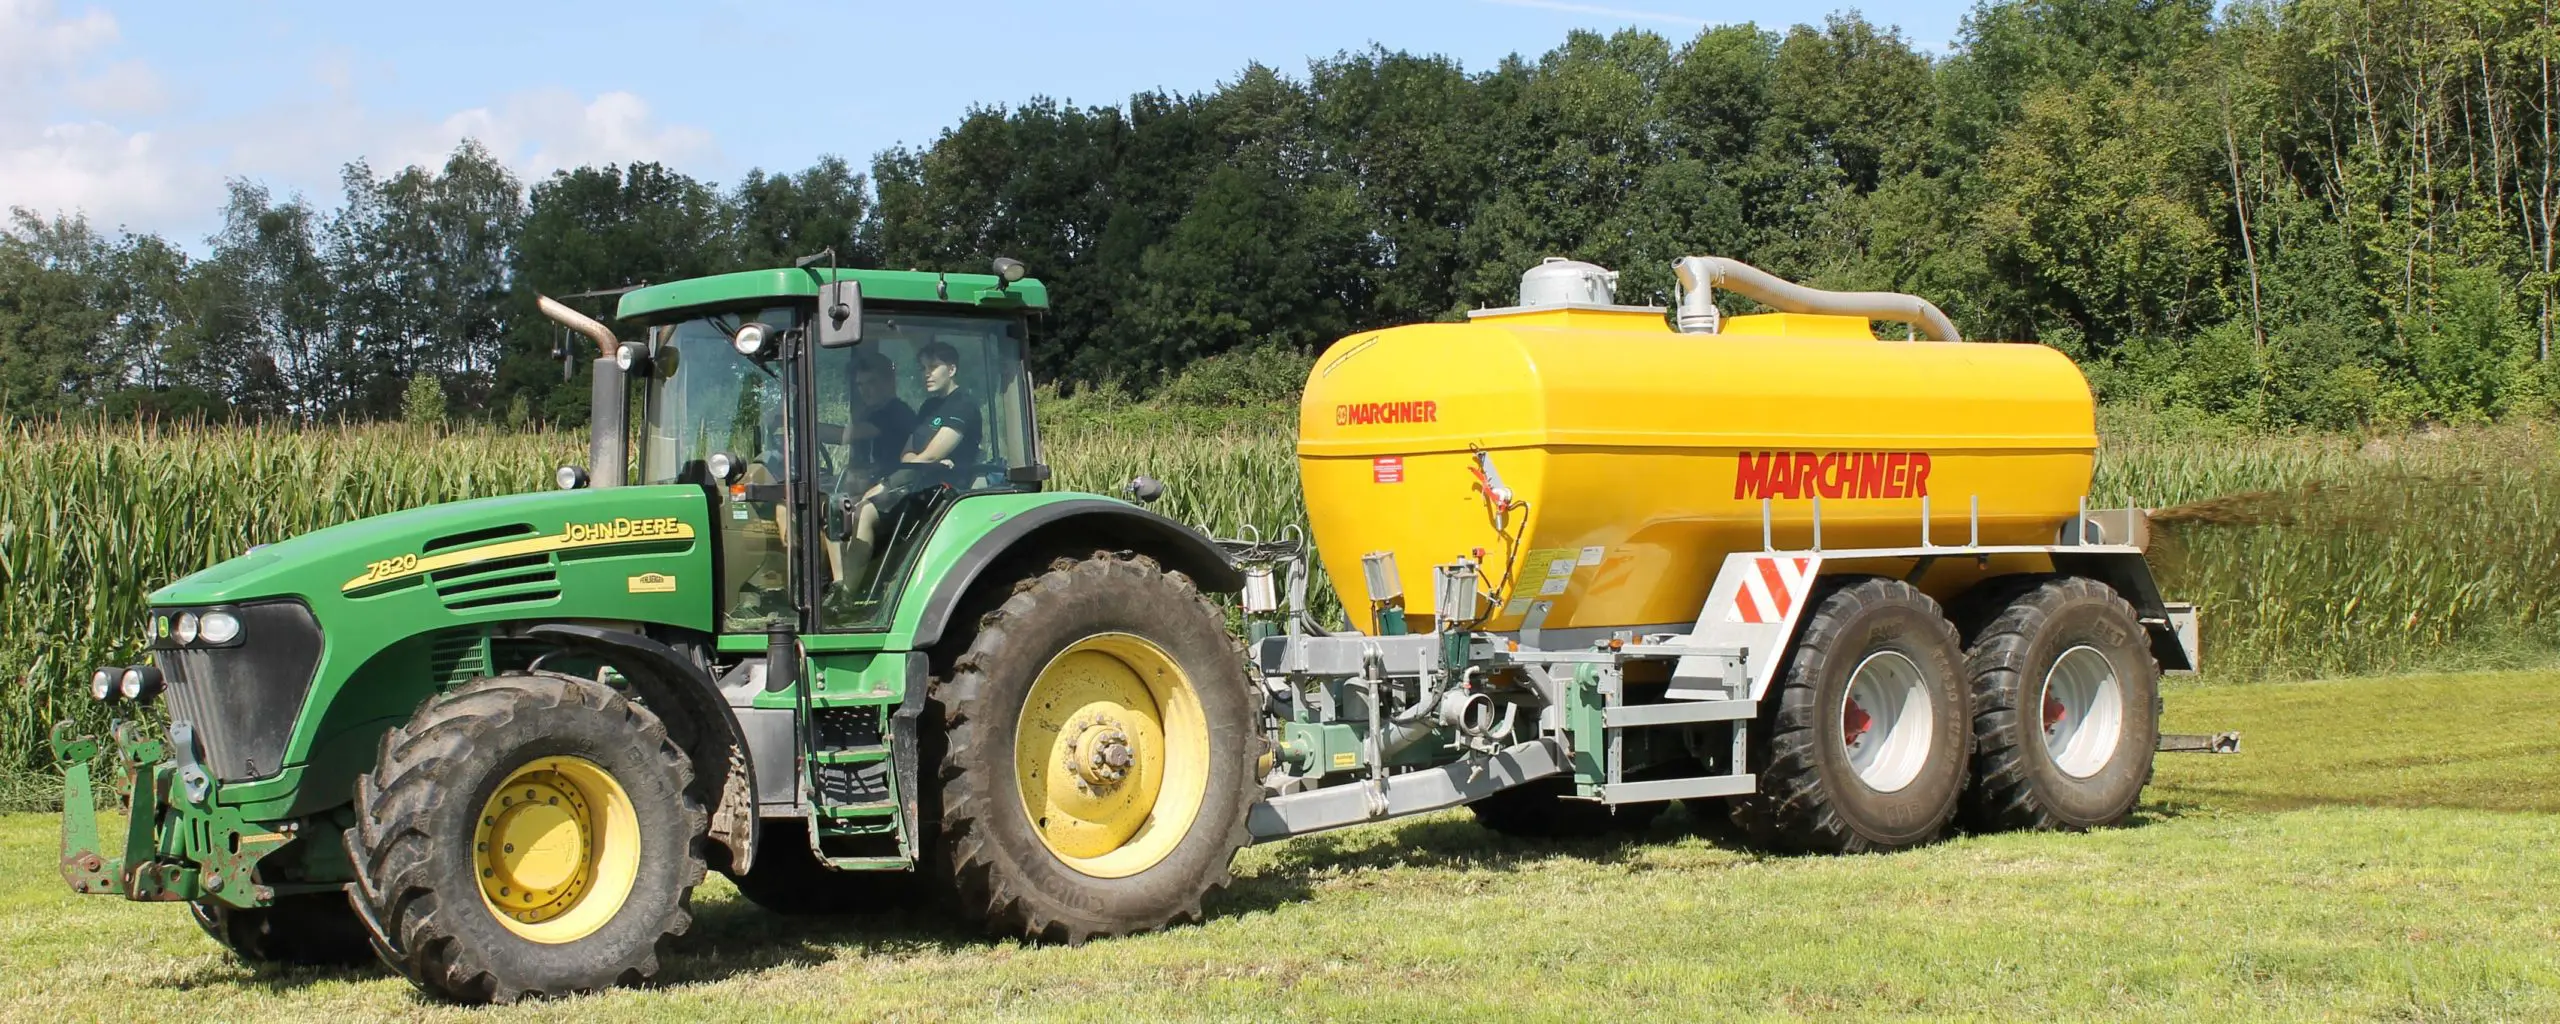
172, 629
135, 683
195, 627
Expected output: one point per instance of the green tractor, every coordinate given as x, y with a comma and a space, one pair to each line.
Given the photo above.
825, 630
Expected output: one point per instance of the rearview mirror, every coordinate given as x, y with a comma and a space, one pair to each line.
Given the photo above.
839, 314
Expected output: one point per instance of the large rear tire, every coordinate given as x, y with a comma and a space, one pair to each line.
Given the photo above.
526, 835
2065, 699
1099, 752
302, 930
1861, 745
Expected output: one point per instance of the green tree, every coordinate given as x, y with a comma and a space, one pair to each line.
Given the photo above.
592, 229
2093, 200
55, 320
422, 403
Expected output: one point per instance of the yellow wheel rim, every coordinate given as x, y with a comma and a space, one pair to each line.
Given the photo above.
557, 849
1111, 753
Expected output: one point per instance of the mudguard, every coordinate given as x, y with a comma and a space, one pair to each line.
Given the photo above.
1103, 523
723, 775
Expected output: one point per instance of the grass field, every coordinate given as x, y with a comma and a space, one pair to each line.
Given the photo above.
2384, 849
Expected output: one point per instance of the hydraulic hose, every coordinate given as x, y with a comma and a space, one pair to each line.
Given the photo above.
1701, 275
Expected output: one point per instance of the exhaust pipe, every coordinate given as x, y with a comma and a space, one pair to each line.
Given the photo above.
608, 420
1701, 275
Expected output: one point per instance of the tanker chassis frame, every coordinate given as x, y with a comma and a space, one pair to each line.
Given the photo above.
1351, 710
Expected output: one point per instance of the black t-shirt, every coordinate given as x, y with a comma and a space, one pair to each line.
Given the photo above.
957, 410
890, 423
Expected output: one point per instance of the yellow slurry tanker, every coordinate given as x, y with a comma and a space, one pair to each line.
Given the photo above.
1599, 558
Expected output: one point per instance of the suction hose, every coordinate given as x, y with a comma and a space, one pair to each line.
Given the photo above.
606, 413
1701, 275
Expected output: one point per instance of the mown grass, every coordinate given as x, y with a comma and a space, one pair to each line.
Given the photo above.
2313, 555
2383, 849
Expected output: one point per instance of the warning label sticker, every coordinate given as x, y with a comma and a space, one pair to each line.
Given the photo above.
1592, 555
1554, 586
1387, 469
1542, 561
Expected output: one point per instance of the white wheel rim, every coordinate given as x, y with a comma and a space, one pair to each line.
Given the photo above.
2082, 708
1887, 721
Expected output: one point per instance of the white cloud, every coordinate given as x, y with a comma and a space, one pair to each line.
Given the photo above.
89, 144
1617, 13
88, 167
125, 87
545, 130
36, 39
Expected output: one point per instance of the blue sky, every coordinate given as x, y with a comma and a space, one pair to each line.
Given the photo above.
134, 114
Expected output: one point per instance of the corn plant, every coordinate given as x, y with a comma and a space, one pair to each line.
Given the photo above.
2310, 555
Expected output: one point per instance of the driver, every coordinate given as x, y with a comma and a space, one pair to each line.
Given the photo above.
874, 439
945, 436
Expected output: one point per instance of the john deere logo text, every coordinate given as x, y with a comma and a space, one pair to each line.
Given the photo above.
1361, 414
1832, 475
623, 529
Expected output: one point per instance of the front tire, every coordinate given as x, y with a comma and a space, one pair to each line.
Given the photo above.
2066, 697
1861, 746
1098, 758
526, 835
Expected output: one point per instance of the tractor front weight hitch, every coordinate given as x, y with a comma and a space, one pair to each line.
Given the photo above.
207, 853
84, 866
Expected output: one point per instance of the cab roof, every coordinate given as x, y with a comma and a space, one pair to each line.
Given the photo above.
656, 302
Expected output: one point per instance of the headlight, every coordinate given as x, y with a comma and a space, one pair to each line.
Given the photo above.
570, 478
186, 629
102, 684
217, 627
631, 355
140, 682
751, 339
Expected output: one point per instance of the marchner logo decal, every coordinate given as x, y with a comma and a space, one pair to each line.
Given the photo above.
571, 535
1361, 414
1831, 475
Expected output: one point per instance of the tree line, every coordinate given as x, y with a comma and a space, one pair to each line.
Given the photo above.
2292, 212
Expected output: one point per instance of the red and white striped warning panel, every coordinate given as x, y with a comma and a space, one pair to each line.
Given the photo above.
1771, 588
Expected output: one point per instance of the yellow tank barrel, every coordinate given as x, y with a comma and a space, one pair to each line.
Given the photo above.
1644, 456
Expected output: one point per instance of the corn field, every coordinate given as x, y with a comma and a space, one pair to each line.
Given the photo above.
2309, 555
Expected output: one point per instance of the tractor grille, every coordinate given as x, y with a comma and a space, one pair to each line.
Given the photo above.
525, 579
243, 700
456, 656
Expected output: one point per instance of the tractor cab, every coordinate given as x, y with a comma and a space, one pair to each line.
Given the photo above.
833, 462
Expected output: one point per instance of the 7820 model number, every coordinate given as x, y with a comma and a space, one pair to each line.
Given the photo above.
386, 568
